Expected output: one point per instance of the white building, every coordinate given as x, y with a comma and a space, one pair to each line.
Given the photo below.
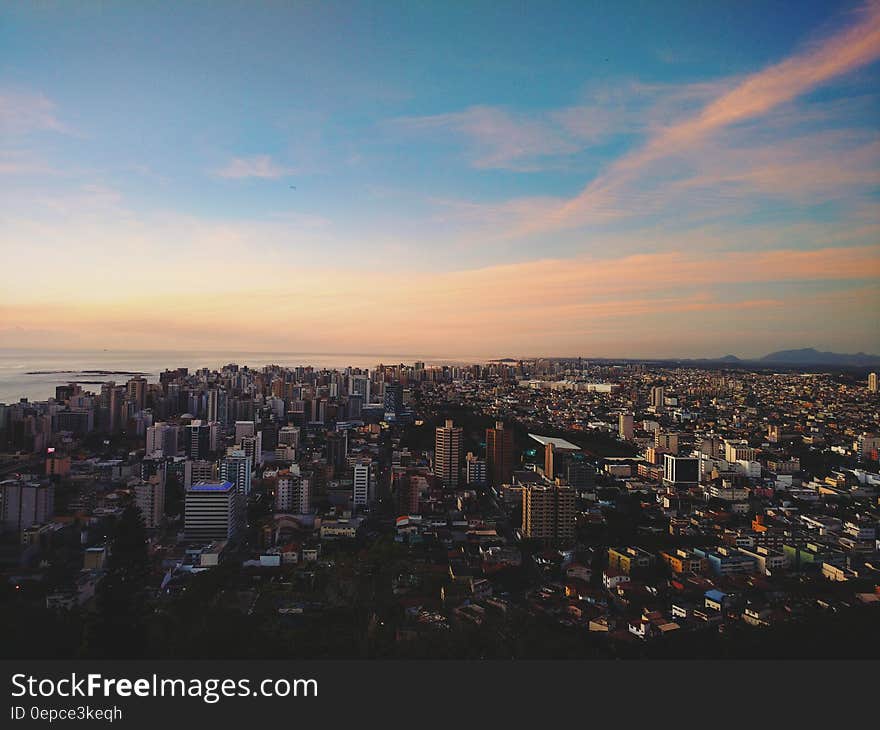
361, 488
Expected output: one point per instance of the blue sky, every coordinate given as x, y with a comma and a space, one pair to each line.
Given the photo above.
530, 176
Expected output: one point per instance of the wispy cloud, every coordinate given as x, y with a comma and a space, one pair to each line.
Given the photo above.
751, 98
24, 112
499, 138
259, 166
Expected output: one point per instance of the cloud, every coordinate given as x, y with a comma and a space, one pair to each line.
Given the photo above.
259, 166
623, 305
497, 138
25, 112
749, 99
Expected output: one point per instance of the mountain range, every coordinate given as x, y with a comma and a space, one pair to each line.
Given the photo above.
804, 356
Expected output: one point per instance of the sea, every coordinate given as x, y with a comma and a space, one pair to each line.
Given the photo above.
33, 374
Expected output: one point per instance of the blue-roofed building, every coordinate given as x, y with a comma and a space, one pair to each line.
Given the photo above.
725, 561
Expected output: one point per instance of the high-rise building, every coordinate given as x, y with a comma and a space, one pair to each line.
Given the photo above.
236, 467
625, 426
292, 493
361, 486
873, 385
360, 385
136, 390
212, 511
549, 464
681, 472
149, 496
162, 439
202, 470
393, 400
447, 453
475, 470
289, 436
738, 450
666, 441
318, 410
200, 439
499, 454
658, 397
580, 475
118, 412
25, 504
354, 407
244, 429
867, 446
337, 450
216, 406
549, 513
253, 447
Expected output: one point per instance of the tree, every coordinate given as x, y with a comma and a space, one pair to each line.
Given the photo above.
118, 627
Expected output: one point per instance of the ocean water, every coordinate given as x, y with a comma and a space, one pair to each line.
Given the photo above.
33, 374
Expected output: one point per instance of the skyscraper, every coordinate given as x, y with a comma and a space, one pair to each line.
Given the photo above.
873, 385
447, 454
499, 454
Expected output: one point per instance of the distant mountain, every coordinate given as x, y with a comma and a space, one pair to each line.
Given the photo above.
713, 360
812, 356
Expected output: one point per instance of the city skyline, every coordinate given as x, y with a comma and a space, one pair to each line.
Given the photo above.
559, 180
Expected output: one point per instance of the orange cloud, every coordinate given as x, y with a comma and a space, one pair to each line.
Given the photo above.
551, 305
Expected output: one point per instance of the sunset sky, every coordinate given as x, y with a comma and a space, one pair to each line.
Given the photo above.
621, 179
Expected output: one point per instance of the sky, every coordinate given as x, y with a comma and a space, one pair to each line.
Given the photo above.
481, 179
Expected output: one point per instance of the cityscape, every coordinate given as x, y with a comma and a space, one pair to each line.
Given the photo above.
540, 508
393, 331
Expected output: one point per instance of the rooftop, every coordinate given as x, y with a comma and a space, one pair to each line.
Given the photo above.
558, 443
211, 487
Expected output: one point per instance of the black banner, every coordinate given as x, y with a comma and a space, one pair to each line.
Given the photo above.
232, 694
